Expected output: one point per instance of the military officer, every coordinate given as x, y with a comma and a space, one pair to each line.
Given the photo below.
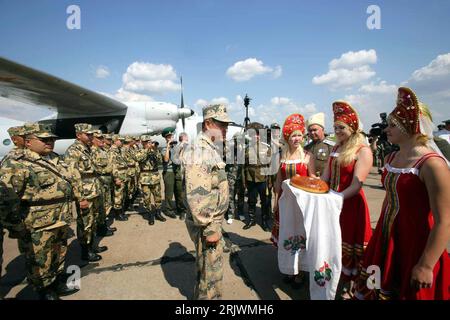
88, 190
207, 197
320, 147
177, 153
103, 168
168, 173
256, 174
42, 184
150, 180
120, 177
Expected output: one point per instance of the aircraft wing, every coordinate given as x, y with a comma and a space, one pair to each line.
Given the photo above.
21, 83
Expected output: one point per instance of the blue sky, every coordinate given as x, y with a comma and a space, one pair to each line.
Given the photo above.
279, 52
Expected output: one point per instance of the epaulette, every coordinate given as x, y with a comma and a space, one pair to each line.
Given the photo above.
329, 142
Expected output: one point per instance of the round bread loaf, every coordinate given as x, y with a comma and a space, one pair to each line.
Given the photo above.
309, 184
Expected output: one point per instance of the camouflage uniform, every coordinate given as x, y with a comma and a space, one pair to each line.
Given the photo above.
320, 151
128, 155
86, 187
149, 179
42, 185
15, 152
119, 172
207, 197
9, 216
101, 160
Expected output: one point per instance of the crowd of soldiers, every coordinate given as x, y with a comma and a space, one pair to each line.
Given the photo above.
95, 181
100, 176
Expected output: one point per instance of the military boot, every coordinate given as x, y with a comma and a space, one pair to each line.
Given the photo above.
159, 216
264, 225
250, 223
61, 287
48, 293
99, 249
103, 231
151, 218
120, 215
88, 254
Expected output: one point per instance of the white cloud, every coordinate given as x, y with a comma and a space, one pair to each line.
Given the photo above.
439, 67
350, 60
432, 86
102, 72
221, 100
249, 68
351, 69
128, 96
154, 79
382, 87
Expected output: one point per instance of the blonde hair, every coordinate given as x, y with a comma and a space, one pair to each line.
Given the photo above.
421, 138
348, 150
285, 148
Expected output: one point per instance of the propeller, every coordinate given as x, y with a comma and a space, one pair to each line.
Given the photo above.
182, 102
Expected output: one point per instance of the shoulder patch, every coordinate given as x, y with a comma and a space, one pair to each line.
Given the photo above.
329, 142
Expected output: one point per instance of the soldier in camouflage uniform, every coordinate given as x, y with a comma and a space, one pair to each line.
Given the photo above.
207, 197
88, 191
101, 160
320, 147
120, 177
41, 182
150, 180
233, 169
17, 135
129, 156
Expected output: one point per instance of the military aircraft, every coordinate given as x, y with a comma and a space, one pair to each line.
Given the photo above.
73, 104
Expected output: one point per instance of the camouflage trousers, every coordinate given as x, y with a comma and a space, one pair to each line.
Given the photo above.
209, 265
132, 186
45, 255
151, 190
107, 194
1, 249
119, 195
87, 221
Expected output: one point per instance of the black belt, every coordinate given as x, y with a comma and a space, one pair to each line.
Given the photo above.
37, 203
88, 175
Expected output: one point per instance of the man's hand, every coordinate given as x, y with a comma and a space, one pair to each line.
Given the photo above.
213, 238
84, 204
118, 182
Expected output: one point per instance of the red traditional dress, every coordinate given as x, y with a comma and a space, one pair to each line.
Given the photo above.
400, 238
354, 219
288, 168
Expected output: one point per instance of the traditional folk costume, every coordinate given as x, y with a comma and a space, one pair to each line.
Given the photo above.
355, 218
405, 222
289, 168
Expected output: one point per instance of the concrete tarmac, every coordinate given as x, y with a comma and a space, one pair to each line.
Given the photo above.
157, 262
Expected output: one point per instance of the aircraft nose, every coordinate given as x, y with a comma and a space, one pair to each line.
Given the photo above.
185, 113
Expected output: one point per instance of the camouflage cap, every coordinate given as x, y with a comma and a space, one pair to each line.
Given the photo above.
128, 138
16, 131
167, 131
98, 133
146, 137
217, 112
108, 136
83, 127
39, 130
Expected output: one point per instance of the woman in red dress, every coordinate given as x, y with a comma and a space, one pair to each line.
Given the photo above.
348, 167
408, 249
294, 160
